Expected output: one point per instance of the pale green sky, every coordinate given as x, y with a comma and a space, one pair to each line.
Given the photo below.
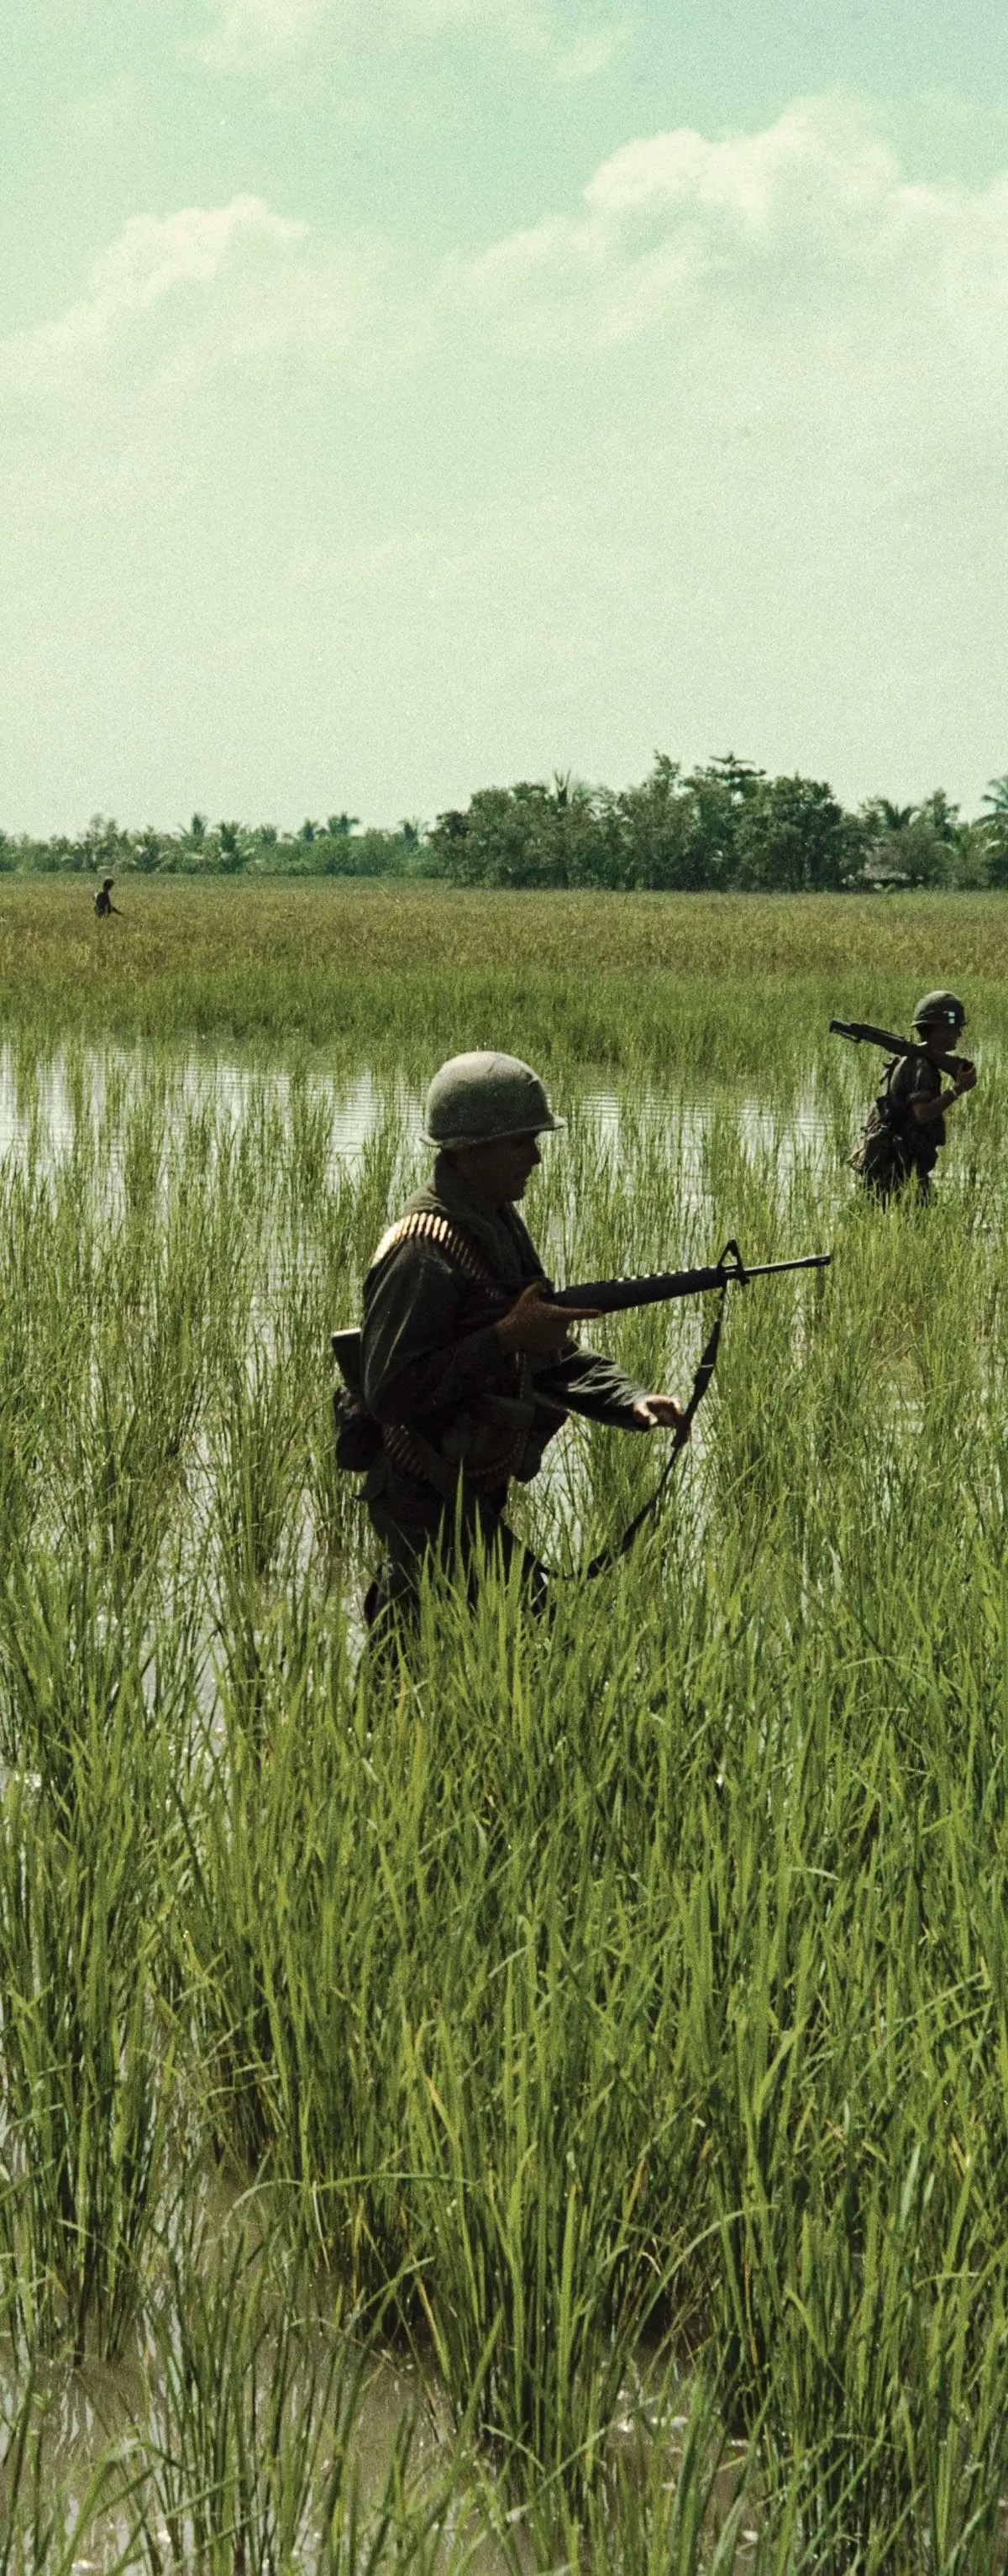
528, 385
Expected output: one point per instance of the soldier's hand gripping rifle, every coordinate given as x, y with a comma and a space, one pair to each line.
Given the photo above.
618, 1296
863, 1034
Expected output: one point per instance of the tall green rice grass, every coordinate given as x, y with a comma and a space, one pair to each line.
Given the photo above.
609, 2021
700, 988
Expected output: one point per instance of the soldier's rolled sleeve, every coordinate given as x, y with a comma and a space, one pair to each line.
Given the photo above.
595, 1387
415, 1360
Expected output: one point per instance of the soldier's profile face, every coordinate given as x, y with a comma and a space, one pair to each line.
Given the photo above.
500, 1171
521, 1156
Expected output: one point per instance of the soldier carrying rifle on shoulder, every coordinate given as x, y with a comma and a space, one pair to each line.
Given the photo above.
905, 1127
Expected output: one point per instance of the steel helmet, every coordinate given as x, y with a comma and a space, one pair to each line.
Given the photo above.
939, 1008
477, 1099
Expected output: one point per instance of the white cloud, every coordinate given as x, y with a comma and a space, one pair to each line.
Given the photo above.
579, 37
787, 299
154, 264
784, 370
719, 453
809, 223
175, 300
801, 250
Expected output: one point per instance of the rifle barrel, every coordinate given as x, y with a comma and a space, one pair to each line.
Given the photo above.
617, 1296
805, 1261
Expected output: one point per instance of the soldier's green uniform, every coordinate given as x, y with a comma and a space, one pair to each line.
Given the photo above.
460, 1416
894, 1148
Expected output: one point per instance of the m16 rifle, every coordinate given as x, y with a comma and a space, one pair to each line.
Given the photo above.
656, 1288
863, 1034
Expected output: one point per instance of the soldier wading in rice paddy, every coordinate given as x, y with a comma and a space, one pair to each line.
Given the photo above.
463, 1371
905, 1127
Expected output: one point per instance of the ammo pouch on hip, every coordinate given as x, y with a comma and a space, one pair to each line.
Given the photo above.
358, 1435
360, 1440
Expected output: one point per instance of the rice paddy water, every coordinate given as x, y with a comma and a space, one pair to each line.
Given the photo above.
547, 2106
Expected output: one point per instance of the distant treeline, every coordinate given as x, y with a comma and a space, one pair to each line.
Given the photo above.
724, 826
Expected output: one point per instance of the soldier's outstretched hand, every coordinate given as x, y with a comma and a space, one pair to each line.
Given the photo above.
966, 1077
535, 1324
658, 1411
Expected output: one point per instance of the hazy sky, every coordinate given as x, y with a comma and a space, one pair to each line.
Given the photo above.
398, 396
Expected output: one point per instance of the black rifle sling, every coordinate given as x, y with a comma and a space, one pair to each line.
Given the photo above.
702, 1376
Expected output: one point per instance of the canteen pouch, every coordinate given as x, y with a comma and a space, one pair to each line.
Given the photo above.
889, 1148
879, 1154
358, 1435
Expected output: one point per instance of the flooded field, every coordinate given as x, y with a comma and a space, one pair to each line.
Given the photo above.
43, 1105
543, 2106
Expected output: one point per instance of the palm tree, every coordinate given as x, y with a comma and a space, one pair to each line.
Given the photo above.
995, 832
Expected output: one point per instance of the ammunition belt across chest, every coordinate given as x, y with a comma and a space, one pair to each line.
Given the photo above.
403, 1448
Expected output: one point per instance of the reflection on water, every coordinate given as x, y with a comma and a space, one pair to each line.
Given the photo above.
43, 1104
48, 1100
98, 1099
102, 2423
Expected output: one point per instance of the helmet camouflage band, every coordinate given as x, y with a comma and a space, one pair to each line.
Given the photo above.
939, 1010
480, 1098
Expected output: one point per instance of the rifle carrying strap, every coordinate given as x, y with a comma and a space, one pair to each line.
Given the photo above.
702, 1376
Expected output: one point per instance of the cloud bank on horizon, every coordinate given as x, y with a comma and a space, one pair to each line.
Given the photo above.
716, 452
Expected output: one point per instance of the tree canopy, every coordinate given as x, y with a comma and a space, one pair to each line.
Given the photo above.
725, 824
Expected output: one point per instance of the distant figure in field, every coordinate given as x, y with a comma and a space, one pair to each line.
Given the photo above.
905, 1127
103, 903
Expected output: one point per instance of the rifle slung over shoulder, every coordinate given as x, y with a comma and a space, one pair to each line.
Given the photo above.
863, 1033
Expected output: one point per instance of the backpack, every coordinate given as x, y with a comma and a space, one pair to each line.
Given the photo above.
880, 1155
889, 1147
